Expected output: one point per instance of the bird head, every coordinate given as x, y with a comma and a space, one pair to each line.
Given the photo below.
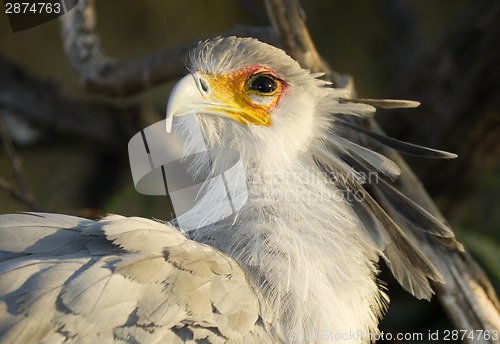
251, 97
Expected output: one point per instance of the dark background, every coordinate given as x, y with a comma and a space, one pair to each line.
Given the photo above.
439, 52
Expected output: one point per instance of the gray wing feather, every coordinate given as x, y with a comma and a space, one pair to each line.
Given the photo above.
374, 159
407, 263
401, 146
385, 103
120, 280
36, 234
413, 215
345, 161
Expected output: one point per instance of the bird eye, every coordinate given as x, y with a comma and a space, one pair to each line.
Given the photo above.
263, 84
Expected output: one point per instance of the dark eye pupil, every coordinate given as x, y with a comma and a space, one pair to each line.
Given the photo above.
263, 84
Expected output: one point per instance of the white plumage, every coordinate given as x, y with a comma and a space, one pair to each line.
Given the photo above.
297, 261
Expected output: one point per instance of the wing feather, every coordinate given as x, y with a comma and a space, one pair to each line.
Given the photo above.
40, 233
374, 159
407, 263
401, 146
386, 103
417, 217
119, 280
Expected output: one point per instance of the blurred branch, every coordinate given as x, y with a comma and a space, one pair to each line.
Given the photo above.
40, 103
15, 162
102, 74
288, 20
24, 193
467, 296
15, 193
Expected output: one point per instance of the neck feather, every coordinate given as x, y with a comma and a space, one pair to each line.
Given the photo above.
297, 240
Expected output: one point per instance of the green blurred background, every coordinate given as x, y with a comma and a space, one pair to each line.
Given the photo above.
360, 38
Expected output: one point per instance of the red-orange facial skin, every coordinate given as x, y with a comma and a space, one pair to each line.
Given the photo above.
232, 90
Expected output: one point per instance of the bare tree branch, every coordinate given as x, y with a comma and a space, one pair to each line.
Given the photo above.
40, 103
288, 20
24, 193
102, 74
15, 193
15, 161
467, 296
